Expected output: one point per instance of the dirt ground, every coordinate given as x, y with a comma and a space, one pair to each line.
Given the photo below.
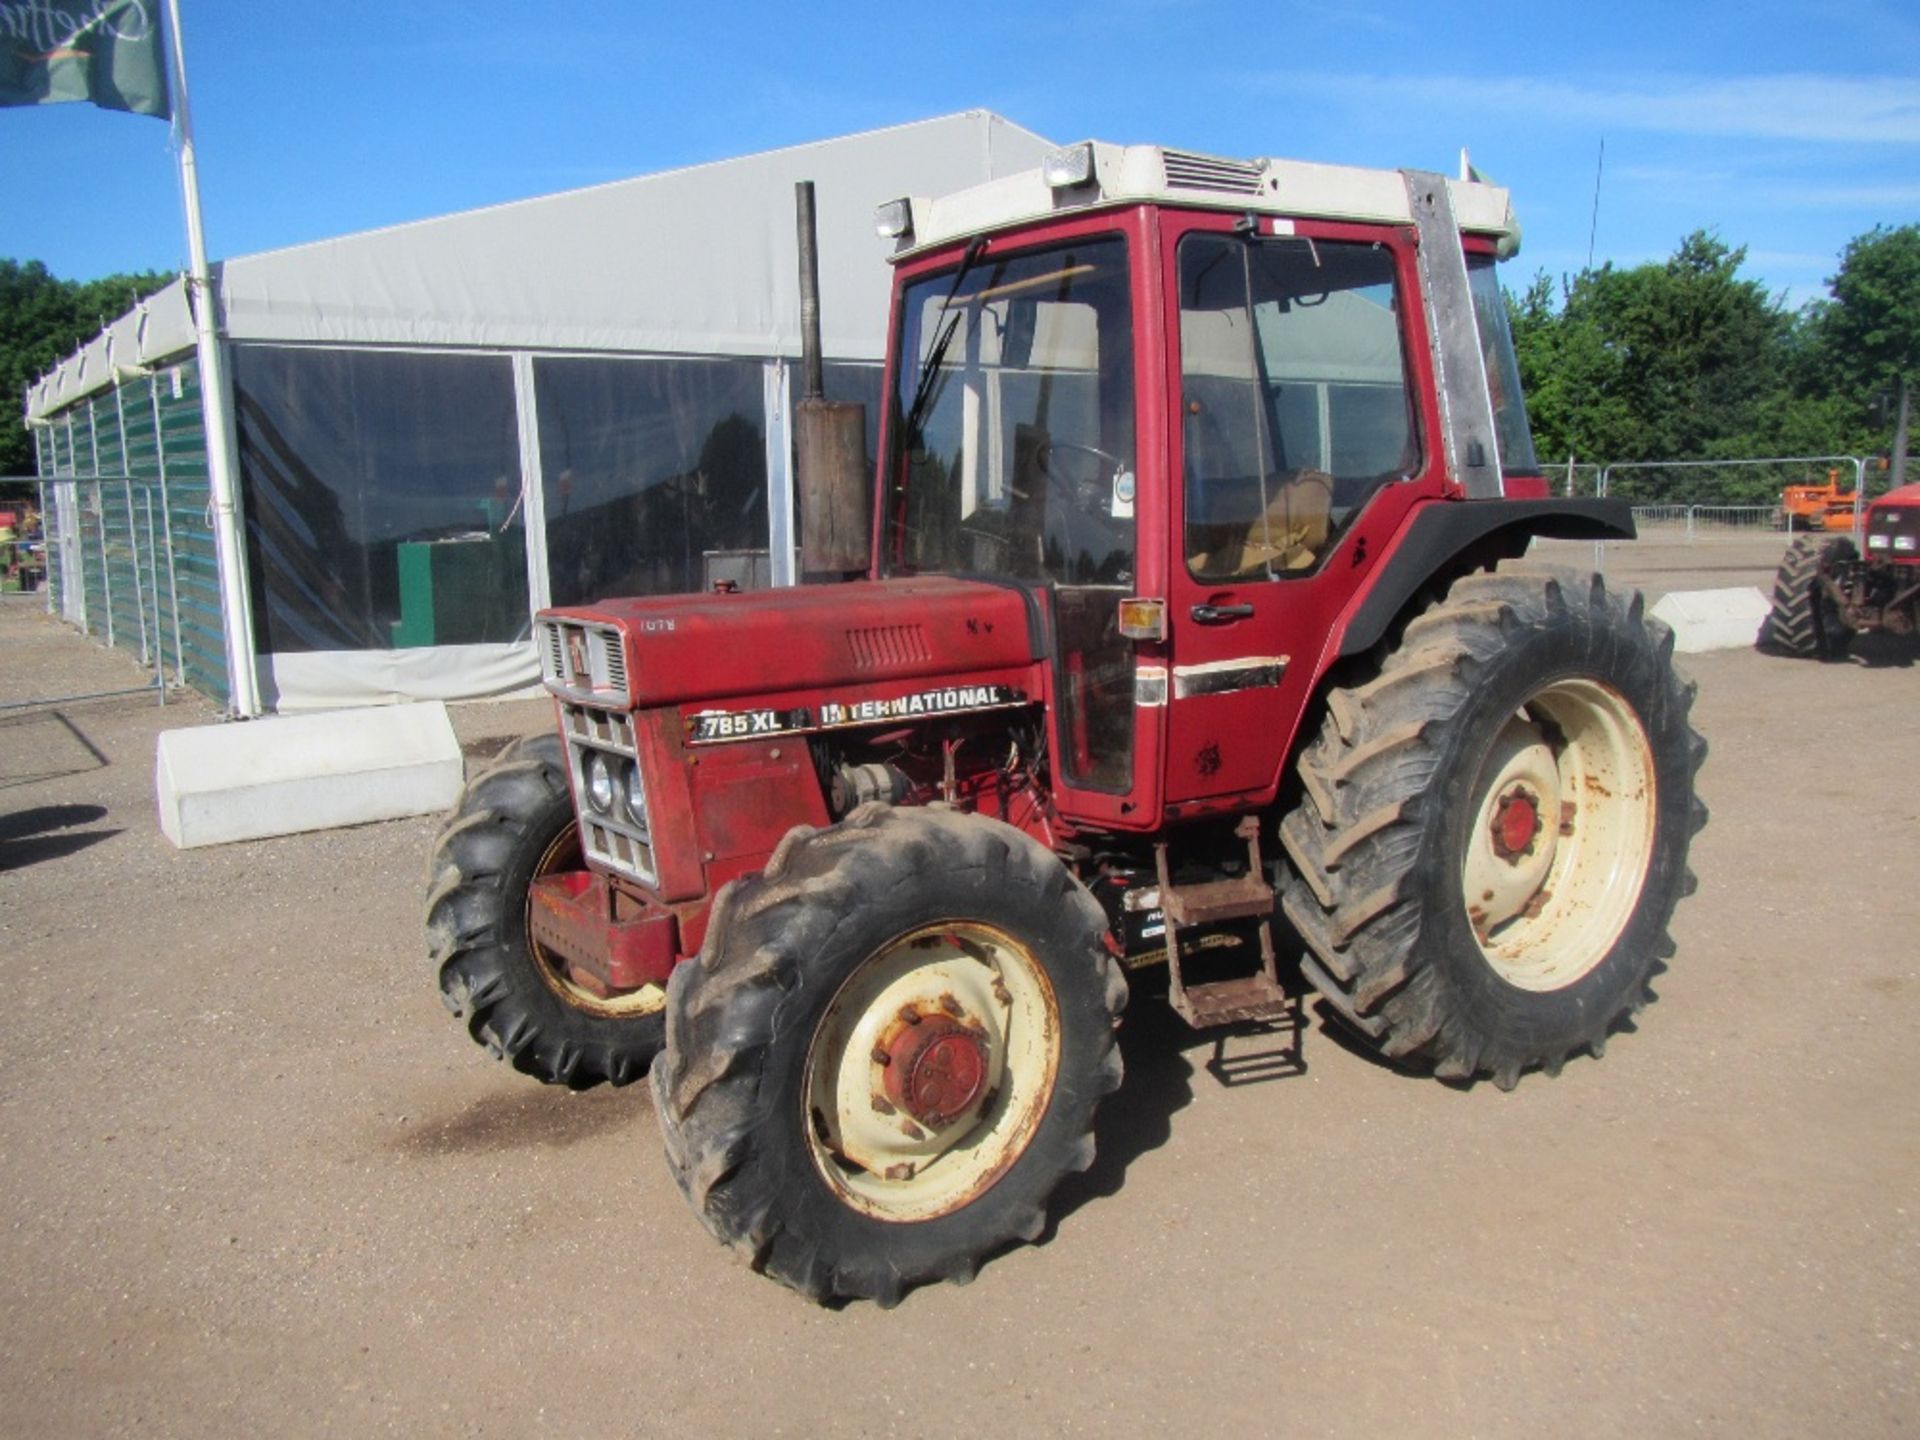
258, 1182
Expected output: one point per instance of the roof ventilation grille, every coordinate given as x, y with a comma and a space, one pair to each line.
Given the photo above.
1187, 171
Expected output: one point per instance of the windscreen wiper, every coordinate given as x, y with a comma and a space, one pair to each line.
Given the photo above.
923, 388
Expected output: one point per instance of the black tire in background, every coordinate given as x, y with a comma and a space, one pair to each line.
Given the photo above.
1541, 692
513, 823
826, 940
1804, 620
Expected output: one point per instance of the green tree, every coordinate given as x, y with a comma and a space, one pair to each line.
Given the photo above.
1866, 342
1678, 360
43, 319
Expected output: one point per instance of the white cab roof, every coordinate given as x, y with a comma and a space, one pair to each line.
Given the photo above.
1153, 174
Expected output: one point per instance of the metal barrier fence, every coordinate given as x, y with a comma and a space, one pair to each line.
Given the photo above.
129, 539
1693, 519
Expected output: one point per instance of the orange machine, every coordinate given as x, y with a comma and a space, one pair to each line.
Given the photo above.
1817, 507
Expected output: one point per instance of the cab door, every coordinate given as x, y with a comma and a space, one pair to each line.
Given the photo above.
1294, 452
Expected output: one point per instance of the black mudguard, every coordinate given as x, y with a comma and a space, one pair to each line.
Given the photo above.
1439, 535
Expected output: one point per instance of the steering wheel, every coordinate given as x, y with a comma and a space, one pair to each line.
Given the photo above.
1089, 493
1113, 462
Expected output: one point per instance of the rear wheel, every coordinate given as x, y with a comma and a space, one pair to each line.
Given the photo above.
1493, 832
1804, 619
515, 823
889, 1052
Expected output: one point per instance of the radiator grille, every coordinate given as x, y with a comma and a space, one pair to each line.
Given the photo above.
589, 661
620, 837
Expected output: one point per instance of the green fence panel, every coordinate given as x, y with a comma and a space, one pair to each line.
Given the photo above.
182, 443
49, 521
120, 522
95, 572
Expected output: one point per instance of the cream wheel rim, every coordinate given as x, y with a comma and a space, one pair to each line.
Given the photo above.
931, 1070
1562, 835
564, 854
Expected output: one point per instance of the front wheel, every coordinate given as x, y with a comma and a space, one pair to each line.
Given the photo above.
515, 823
1493, 832
889, 1051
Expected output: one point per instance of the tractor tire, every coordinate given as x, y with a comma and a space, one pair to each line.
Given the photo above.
1804, 620
514, 823
1493, 830
889, 1052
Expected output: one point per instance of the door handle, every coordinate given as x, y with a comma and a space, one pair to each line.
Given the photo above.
1220, 614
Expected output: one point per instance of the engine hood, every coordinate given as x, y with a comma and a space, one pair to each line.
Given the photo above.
709, 647
1906, 497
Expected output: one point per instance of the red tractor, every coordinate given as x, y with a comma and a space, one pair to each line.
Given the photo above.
1197, 481
1826, 592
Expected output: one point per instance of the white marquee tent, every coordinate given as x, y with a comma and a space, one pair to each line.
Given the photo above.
443, 426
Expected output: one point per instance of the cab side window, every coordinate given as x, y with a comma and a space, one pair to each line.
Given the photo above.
1294, 398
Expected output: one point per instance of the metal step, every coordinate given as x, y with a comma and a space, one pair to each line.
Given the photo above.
1210, 902
1231, 1002
1239, 898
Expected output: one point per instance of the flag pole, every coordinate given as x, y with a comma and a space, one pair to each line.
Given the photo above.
229, 539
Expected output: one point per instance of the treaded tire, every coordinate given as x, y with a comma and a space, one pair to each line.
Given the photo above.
508, 823
1803, 620
732, 1088
1392, 788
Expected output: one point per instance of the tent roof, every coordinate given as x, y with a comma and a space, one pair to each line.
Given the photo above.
694, 261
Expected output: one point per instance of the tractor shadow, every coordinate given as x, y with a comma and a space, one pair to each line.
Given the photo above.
1885, 652
1162, 1055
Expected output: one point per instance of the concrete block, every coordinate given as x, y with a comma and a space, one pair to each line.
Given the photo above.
1713, 619
279, 776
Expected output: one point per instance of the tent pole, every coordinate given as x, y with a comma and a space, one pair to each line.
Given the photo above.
236, 611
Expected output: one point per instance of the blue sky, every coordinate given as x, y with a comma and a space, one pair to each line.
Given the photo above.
1787, 128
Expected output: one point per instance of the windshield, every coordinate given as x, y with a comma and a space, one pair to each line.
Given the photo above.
1012, 438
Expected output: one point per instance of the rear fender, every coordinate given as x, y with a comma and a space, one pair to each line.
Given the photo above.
1445, 538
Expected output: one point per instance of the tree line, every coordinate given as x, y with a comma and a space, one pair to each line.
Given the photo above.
1684, 359
44, 319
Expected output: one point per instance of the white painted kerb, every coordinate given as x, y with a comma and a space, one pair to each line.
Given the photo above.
1713, 619
280, 776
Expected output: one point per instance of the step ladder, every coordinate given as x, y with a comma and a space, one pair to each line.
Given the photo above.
1241, 897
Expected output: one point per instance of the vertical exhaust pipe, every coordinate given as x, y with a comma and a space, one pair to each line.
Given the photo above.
809, 238
831, 473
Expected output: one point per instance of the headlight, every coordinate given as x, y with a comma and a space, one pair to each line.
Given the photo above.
636, 795
1878, 542
1906, 542
599, 782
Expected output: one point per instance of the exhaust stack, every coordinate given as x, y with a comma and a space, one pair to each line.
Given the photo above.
832, 474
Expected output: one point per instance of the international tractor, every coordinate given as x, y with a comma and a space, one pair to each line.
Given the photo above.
1826, 591
1180, 598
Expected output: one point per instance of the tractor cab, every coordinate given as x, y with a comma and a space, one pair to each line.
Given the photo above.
1185, 404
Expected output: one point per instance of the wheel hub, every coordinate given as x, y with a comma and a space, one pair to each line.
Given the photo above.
936, 1067
930, 1070
1516, 824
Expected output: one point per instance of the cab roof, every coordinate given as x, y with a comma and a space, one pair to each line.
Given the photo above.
1154, 174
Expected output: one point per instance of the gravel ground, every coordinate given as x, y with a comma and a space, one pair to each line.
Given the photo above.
257, 1181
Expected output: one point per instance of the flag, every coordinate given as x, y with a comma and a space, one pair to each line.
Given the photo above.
106, 51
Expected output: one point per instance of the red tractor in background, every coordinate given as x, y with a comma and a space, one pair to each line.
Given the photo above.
1197, 483
1826, 591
